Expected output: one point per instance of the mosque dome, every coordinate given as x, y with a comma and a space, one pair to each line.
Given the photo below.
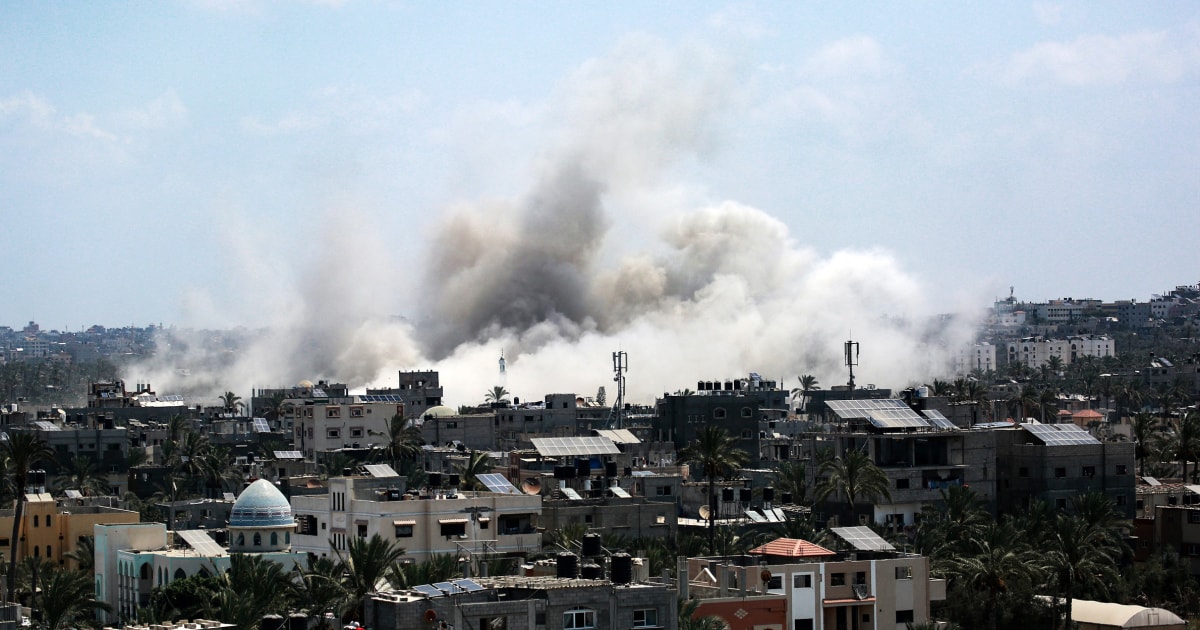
440, 411
261, 505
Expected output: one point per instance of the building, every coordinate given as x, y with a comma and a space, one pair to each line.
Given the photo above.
424, 522
419, 390
980, 356
51, 528
1034, 352
549, 603
736, 406
326, 424
795, 584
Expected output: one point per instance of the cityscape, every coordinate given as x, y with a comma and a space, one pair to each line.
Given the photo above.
1050, 473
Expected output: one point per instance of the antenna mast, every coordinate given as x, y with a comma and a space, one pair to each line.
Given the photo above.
620, 367
851, 361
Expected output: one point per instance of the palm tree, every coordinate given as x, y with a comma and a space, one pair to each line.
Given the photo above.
854, 476
334, 463
366, 563
1145, 425
1024, 400
68, 599
715, 453
321, 590
23, 451
81, 474
991, 562
232, 402
253, 587
792, 478
689, 621
808, 383
1183, 438
478, 463
497, 394
84, 554
1078, 554
1048, 401
438, 567
404, 441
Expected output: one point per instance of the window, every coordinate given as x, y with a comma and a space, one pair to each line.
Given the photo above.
333, 412
837, 579
1193, 516
1089, 471
904, 573
1060, 504
579, 619
775, 584
904, 616
356, 432
257, 539
747, 412
333, 433
362, 530
902, 484
404, 530
35, 520
356, 412
307, 525
493, 623
802, 580
719, 413
454, 527
1121, 500
1059, 473
1122, 469
860, 577
662, 491
645, 617
802, 624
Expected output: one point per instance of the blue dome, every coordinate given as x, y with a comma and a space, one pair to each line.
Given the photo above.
261, 505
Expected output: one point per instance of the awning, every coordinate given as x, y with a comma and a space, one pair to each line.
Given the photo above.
848, 602
484, 519
450, 521
404, 522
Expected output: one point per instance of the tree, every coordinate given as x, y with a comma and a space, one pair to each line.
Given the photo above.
232, 402
808, 383
792, 478
497, 394
689, 621
1144, 427
68, 599
601, 396
854, 476
81, 474
254, 587
1078, 554
23, 451
366, 563
321, 591
478, 463
84, 554
1182, 439
715, 453
990, 563
403, 441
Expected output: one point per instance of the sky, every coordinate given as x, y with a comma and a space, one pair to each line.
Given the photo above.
436, 183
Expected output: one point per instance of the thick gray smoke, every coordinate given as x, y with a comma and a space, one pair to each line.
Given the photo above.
605, 250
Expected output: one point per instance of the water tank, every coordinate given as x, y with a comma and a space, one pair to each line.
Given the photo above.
745, 494
583, 467
568, 565
297, 621
727, 494
622, 568
591, 545
728, 386
435, 480
271, 622
785, 498
700, 386
591, 571
454, 479
610, 469
769, 494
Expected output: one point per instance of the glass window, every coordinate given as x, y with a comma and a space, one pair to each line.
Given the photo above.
579, 619
645, 617
802, 580
837, 579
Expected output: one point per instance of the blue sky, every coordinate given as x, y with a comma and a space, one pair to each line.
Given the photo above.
194, 163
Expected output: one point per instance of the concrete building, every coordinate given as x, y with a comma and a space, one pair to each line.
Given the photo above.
323, 425
795, 584
980, 356
433, 522
420, 391
1034, 352
736, 406
520, 602
51, 528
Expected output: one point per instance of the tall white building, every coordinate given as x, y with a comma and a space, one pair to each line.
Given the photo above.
1034, 352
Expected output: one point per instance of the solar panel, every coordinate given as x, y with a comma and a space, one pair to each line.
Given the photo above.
940, 421
862, 538
618, 491
46, 426
571, 494
771, 516
428, 590
261, 426
380, 470
569, 446
887, 413
1061, 434
498, 483
201, 542
446, 587
73, 494
1151, 481
779, 514
288, 455
381, 398
319, 393
755, 516
469, 586
228, 496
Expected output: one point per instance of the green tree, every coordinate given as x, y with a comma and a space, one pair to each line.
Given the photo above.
989, 563
1182, 439
1078, 555
477, 463
366, 563
688, 619
84, 554
1144, 426
320, 590
792, 478
808, 383
253, 587
68, 599
232, 402
22, 451
81, 474
403, 441
497, 394
853, 476
715, 453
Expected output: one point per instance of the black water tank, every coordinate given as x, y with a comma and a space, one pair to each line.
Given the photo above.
785, 497
568, 565
454, 480
271, 622
768, 494
622, 568
628, 471
583, 467
298, 621
591, 571
435, 480
745, 494
591, 545
727, 494
560, 472
610, 469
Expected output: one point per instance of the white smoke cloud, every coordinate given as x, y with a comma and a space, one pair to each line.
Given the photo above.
602, 252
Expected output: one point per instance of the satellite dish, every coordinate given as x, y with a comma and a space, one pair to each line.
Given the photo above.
705, 512
531, 486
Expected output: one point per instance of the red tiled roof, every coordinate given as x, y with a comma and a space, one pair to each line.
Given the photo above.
1088, 413
792, 548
